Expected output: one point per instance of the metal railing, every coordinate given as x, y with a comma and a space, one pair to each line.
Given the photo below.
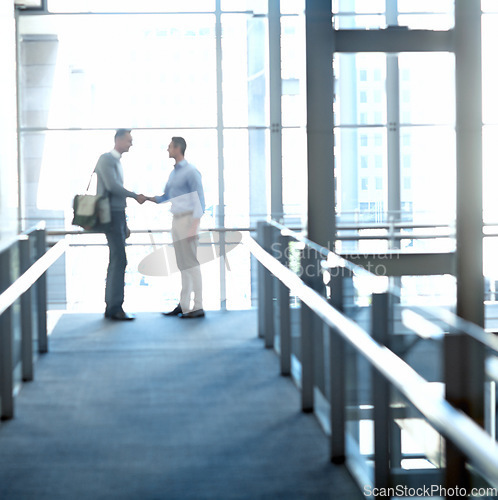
23, 323
394, 398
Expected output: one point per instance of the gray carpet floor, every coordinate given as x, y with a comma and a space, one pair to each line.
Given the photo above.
164, 408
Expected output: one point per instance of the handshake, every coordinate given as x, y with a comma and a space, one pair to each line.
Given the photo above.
141, 198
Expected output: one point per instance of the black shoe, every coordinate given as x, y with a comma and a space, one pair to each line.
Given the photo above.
175, 312
122, 316
199, 313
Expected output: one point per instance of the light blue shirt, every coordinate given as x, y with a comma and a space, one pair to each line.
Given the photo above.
184, 190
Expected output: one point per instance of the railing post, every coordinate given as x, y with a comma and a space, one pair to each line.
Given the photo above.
381, 395
284, 306
463, 364
6, 363
265, 289
41, 293
26, 314
261, 288
309, 325
337, 373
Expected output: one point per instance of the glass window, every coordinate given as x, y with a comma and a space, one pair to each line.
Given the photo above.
351, 160
294, 166
256, 6
428, 95
130, 6
414, 14
361, 89
94, 85
293, 70
45, 156
237, 177
433, 176
244, 70
490, 174
489, 72
489, 6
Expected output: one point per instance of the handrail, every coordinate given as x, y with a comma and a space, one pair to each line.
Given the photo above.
461, 430
455, 322
29, 278
326, 253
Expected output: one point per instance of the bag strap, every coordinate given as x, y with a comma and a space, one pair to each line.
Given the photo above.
90, 181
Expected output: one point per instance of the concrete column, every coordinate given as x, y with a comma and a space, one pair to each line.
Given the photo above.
320, 122
464, 357
274, 33
470, 284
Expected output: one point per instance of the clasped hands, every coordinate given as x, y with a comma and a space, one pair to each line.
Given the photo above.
141, 198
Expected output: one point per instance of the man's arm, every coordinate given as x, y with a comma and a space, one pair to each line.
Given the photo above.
109, 176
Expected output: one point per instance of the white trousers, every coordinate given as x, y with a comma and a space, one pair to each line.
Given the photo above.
186, 260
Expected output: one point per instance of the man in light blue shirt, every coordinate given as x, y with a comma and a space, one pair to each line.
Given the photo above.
184, 191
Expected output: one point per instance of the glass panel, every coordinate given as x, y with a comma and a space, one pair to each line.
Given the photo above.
143, 291
358, 6
489, 69
428, 160
427, 14
163, 75
416, 448
256, 6
426, 6
294, 161
130, 6
359, 416
292, 7
361, 22
490, 174
293, 67
359, 14
238, 273
244, 70
361, 170
427, 88
489, 6
435, 22
236, 178
46, 156
361, 89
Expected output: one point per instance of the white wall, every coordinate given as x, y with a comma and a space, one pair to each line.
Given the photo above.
8, 123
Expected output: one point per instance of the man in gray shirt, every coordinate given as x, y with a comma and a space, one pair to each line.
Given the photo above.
110, 183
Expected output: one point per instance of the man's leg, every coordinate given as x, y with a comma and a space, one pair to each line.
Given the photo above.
114, 290
186, 259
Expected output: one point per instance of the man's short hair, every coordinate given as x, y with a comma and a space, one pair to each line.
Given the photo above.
180, 142
120, 132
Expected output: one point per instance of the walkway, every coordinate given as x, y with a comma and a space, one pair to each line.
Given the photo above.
163, 408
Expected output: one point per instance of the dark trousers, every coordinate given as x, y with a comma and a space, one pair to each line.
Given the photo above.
116, 238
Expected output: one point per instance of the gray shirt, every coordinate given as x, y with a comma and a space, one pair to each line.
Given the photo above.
110, 180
